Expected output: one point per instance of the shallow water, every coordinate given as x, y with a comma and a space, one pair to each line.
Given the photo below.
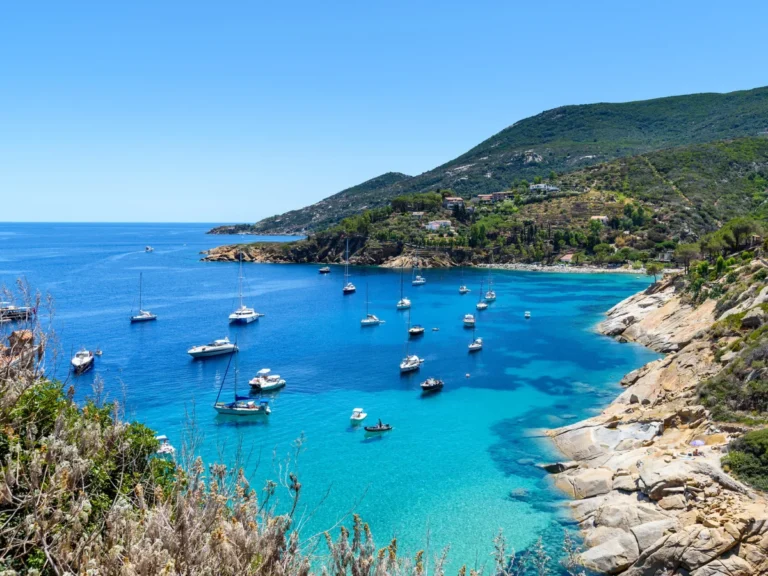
458, 465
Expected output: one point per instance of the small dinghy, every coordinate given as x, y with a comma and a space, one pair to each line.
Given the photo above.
325, 270
378, 428
527, 314
432, 385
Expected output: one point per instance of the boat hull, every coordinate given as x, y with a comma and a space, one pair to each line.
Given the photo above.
82, 368
209, 353
138, 319
243, 319
233, 411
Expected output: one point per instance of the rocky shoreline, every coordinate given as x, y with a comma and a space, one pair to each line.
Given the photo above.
648, 502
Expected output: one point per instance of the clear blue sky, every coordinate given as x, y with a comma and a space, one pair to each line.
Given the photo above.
233, 111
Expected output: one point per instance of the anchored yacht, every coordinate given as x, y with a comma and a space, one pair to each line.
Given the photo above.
82, 361
215, 348
244, 314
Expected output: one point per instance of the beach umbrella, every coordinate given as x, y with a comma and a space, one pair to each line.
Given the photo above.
698, 443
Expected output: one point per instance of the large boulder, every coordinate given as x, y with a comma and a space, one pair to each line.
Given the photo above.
730, 565
613, 556
587, 482
649, 533
691, 548
627, 515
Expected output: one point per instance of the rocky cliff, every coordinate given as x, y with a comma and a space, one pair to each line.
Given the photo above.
648, 501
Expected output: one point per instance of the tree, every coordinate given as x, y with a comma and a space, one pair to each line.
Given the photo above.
685, 253
537, 180
552, 175
720, 266
741, 228
653, 269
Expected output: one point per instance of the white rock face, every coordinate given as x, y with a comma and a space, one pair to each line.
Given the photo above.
647, 506
613, 556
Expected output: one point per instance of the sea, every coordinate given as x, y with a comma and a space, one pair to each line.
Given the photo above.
458, 467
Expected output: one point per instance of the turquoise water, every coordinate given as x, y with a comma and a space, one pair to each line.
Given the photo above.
457, 466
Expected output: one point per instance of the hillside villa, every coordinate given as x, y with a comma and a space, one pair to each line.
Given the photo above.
435, 225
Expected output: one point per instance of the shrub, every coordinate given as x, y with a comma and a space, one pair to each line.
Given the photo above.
748, 458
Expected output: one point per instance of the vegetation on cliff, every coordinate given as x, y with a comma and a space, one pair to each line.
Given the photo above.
629, 210
562, 140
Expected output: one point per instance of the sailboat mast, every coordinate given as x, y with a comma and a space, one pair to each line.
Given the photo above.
140, 279
240, 280
366, 300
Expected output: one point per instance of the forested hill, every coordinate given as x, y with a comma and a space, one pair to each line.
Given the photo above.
562, 140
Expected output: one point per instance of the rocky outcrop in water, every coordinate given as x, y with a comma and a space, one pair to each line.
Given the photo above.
647, 501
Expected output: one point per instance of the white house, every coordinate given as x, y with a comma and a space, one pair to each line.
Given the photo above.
435, 225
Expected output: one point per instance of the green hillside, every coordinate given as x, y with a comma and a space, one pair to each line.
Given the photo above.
562, 140
629, 209
370, 194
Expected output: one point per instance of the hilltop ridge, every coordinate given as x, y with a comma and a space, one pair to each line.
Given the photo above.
561, 140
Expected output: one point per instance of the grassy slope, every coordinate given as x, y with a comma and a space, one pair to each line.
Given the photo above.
564, 139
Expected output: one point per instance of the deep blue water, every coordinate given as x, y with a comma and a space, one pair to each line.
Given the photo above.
457, 466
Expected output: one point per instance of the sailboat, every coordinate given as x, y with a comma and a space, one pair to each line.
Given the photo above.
143, 315
477, 343
411, 362
418, 279
349, 288
370, 319
416, 329
481, 305
463, 288
243, 315
403, 303
241, 405
490, 296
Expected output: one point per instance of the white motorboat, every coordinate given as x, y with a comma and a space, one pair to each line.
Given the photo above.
349, 288
165, 447
416, 329
143, 315
215, 348
241, 405
9, 312
404, 303
325, 270
82, 361
244, 314
358, 416
265, 381
469, 320
370, 319
411, 363
527, 314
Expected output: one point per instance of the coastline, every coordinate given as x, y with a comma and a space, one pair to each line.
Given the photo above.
644, 501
